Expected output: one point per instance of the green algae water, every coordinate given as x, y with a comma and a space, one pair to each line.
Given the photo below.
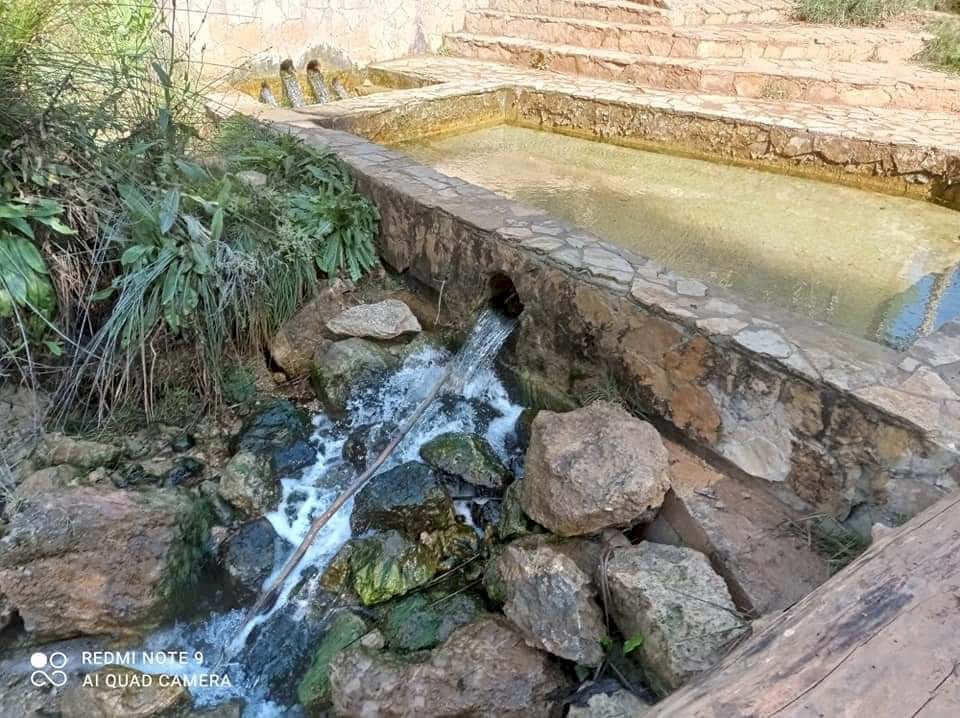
877, 266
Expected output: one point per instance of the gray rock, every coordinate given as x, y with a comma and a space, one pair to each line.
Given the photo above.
384, 320
483, 669
408, 498
7, 611
249, 486
305, 334
551, 601
619, 704
46, 480
670, 598
591, 469
341, 366
276, 426
466, 456
55, 449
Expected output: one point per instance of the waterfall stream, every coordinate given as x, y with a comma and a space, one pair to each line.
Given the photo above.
279, 641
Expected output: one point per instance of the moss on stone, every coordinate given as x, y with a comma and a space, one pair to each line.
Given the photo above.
387, 564
467, 456
313, 691
421, 621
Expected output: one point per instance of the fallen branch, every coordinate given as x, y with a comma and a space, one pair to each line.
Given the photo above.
270, 593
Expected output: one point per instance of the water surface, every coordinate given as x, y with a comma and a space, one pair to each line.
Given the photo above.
878, 266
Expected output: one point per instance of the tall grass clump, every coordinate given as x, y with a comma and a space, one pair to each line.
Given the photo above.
853, 12
943, 50
127, 229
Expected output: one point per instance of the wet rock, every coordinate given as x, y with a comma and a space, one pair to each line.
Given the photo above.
313, 691
420, 621
278, 425
466, 456
339, 368
46, 480
100, 561
513, 521
551, 602
408, 498
366, 442
56, 449
384, 320
184, 469
620, 703
524, 427
291, 460
670, 598
386, 564
592, 468
454, 544
483, 669
230, 709
249, 555
305, 334
248, 485
136, 695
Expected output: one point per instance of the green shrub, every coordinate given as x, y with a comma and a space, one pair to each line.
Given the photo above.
853, 12
943, 51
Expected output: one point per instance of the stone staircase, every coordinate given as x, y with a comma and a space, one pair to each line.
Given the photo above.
736, 48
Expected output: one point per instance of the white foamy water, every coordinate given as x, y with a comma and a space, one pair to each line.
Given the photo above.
476, 402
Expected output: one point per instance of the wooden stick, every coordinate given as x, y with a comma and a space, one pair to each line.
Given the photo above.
318, 523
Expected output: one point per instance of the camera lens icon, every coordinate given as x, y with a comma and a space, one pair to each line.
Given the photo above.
48, 669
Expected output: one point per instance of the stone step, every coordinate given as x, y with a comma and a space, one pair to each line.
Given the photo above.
809, 81
788, 41
599, 10
761, 540
655, 12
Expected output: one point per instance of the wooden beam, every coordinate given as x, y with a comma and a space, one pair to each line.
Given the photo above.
881, 639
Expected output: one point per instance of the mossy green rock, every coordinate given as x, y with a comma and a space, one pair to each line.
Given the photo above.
313, 690
422, 621
513, 521
408, 498
467, 456
387, 564
454, 544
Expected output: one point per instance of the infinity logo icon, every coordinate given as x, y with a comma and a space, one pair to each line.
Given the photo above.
54, 661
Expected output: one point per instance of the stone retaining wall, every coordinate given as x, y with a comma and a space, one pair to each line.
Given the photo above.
858, 429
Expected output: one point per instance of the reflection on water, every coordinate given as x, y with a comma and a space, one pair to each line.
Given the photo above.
858, 260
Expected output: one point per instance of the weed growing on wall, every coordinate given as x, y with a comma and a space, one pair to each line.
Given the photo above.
853, 12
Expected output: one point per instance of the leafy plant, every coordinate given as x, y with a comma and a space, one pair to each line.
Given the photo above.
943, 51
631, 644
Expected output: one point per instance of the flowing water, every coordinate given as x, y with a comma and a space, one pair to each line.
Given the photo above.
877, 266
279, 644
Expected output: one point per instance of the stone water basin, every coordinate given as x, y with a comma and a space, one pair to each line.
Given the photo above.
878, 266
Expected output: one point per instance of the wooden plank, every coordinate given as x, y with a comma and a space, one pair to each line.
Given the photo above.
879, 639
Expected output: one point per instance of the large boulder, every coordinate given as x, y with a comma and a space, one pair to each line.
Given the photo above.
384, 320
408, 498
56, 449
313, 691
483, 669
551, 601
466, 456
592, 468
44, 481
424, 620
120, 692
100, 561
386, 564
305, 333
338, 369
670, 599
249, 486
